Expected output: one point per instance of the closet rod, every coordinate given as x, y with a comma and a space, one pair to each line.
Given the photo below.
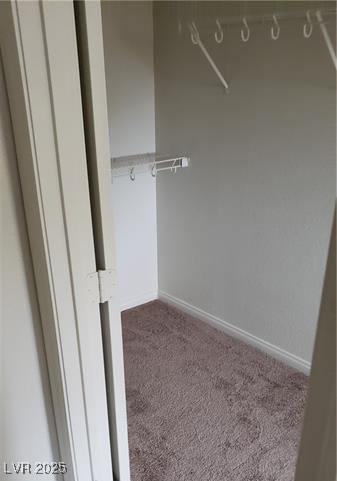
126, 165
259, 19
273, 21
147, 158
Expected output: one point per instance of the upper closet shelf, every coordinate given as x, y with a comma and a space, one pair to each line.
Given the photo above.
219, 25
151, 162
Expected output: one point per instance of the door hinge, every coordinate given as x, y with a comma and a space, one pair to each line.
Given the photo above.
101, 285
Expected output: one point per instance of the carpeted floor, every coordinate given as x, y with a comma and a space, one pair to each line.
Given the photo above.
203, 406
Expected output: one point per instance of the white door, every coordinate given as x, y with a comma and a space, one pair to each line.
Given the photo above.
40, 60
91, 58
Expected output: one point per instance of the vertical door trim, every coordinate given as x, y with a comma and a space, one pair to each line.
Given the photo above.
39, 54
91, 55
317, 451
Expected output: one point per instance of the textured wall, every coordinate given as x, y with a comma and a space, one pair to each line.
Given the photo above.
28, 432
243, 232
128, 45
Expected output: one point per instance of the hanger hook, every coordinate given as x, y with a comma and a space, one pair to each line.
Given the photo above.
173, 166
275, 33
154, 170
194, 33
245, 34
132, 174
218, 34
308, 26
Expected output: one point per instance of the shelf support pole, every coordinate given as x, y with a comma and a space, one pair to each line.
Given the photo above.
197, 41
326, 37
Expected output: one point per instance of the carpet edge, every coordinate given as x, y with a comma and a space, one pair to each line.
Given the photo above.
238, 333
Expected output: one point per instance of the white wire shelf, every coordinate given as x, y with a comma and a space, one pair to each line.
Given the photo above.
152, 162
207, 23
310, 19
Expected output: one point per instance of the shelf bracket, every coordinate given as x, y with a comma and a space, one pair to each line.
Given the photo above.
326, 37
197, 41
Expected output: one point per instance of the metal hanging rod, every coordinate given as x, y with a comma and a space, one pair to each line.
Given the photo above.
312, 18
132, 164
228, 21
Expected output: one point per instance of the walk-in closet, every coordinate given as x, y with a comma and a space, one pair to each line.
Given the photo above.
222, 144
168, 187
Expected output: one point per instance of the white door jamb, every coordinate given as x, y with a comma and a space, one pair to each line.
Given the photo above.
39, 55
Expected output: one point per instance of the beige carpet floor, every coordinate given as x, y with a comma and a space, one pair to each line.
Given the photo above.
203, 406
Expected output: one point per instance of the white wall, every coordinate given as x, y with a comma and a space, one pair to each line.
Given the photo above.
27, 431
243, 232
128, 45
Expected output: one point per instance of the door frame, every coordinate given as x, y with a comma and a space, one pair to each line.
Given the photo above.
40, 61
317, 450
88, 17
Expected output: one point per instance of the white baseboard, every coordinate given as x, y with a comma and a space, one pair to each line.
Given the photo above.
276, 352
129, 302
